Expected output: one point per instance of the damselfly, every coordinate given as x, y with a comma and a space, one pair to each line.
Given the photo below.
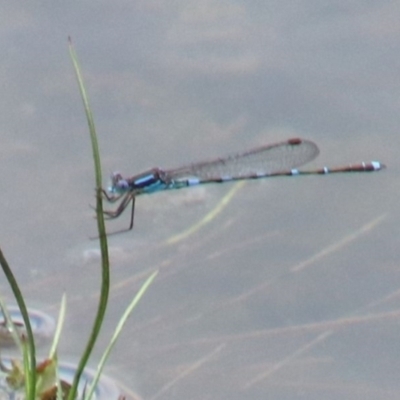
276, 159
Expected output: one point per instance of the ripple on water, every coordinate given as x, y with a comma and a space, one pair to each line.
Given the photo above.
42, 324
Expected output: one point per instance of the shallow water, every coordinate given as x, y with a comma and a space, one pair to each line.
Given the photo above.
291, 290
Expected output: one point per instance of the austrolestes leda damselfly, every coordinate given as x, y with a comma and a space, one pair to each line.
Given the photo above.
278, 159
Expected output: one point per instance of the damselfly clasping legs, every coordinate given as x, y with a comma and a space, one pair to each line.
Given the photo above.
276, 159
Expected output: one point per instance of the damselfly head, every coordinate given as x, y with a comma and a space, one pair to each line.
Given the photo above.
118, 183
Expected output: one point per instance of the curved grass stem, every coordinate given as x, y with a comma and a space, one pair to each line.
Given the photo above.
105, 267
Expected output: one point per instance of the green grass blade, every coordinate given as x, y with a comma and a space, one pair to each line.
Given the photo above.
105, 282
58, 383
30, 353
117, 332
89, 116
30, 391
60, 323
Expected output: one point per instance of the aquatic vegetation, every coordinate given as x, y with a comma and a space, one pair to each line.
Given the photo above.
25, 377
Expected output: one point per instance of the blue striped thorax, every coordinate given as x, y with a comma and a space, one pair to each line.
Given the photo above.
147, 182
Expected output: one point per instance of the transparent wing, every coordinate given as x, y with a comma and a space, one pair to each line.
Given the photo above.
262, 160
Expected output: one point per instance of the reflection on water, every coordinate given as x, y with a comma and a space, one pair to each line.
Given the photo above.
42, 325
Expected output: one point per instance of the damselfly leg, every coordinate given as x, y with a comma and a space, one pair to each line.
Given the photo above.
127, 198
111, 198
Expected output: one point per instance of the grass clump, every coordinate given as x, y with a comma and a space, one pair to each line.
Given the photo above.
40, 381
